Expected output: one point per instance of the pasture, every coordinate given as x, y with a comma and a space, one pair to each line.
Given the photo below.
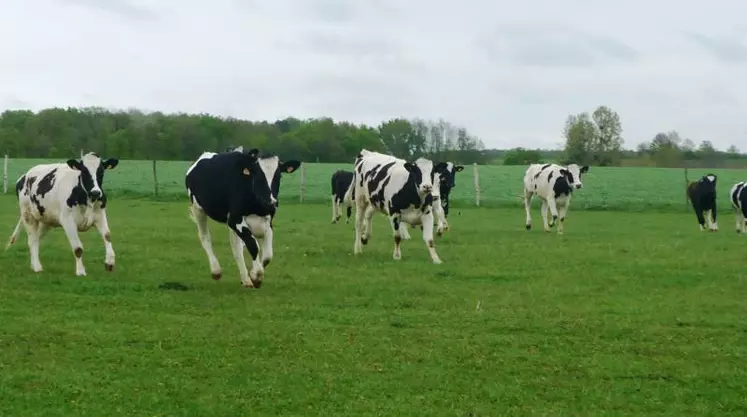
628, 313
605, 188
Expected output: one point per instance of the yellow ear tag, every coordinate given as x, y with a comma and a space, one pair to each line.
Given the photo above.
247, 172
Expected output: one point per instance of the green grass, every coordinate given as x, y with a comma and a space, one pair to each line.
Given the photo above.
605, 188
626, 314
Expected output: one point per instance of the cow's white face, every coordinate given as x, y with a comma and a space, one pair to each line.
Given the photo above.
425, 166
92, 163
574, 179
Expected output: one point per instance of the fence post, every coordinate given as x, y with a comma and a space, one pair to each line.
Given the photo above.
477, 184
5, 175
303, 181
155, 178
686, 184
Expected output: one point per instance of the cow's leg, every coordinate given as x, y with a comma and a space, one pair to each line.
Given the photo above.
33, 237
368, 223
237, 248
404, 232
267, 252
102, 224
562, 210
71, 230
744, 218
242, 230
543, 212
701, 218
440, 217
397, 227
201, 220
552, 204
739, 220
427, 221
527, 205
359, 218
349, 212
712, 217
335, 209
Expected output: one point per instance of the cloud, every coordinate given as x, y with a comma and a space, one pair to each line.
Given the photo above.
510, 72
123, 8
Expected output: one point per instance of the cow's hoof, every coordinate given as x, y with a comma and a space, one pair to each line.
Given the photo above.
216, 275
364, 241
109, 267
266, 262
528, 227
257, 284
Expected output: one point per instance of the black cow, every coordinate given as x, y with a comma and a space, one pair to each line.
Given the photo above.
341, 182
738, 194
240, 190
702, 195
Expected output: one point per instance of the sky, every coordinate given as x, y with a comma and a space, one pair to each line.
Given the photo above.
509, 71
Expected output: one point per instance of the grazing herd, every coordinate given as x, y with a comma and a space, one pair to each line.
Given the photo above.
241, 190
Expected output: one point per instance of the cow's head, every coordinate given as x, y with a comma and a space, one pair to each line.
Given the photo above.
92, 168
254, 181
273, 169
422, 171
573, 173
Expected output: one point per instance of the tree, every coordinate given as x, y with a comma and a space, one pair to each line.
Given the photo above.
580, 133
521, 156
607, 148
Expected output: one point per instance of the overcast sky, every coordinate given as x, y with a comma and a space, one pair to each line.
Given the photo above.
509, 71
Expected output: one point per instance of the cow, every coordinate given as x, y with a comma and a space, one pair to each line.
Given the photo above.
702, 195
554, 185
68, 195
341, 182
240, 190
447, 182
738, 194
400, 189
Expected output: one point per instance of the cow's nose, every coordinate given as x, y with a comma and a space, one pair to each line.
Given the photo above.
578, 186
95, 194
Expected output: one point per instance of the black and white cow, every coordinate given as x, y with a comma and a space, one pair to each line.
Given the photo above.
738, 194
401, 190
554, 185
446, 183
240, 190
70, 196
702, 195
341, 182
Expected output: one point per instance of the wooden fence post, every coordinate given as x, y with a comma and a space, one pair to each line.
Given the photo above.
303, 181
686, 184
155, 178
5, 175
477, 184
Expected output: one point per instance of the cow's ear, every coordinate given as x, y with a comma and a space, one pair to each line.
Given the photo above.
290, 166
584, 169
458, 168
564, 172
410, 167
253, 153
73, 164
111, 163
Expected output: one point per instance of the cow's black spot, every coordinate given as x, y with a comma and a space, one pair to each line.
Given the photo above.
46, 183
541, 169
562, 187
77, 197
35, 199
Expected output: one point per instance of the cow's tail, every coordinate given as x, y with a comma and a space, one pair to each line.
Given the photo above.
15, 234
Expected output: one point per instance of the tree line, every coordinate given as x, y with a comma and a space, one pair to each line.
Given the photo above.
133, 134
590, 138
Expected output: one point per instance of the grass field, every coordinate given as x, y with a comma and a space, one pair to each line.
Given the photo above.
605, 188
626, 314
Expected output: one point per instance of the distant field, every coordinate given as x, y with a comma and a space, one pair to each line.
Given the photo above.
625, 189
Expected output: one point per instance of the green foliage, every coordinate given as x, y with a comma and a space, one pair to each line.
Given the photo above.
61, 133
607, 321
521, 156
594, 140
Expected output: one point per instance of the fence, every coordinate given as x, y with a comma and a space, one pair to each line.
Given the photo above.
605, 188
